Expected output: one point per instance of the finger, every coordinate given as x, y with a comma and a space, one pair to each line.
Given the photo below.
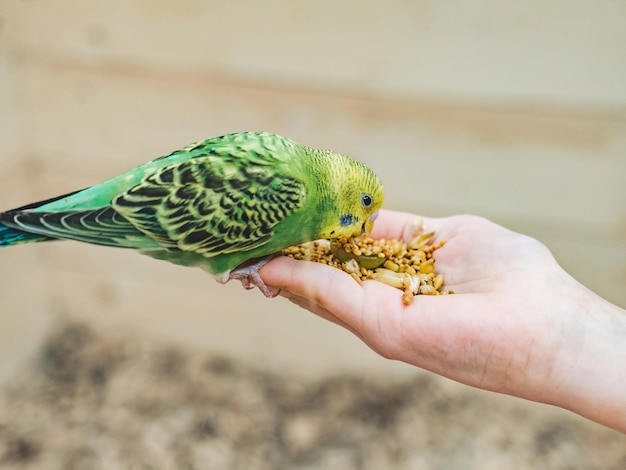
319, 288
320, 284
332, 294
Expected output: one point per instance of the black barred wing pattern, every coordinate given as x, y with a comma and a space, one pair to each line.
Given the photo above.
211, 205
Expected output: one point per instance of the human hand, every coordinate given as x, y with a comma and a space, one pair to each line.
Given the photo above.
517, 323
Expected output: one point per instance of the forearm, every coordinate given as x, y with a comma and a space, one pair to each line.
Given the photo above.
588, 375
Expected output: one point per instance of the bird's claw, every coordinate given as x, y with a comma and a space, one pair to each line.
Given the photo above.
249, 277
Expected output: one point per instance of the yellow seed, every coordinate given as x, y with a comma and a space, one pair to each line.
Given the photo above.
427, 267
428, 290
351, 266
438, 281
391, 266
423, 278
418, 257
421, 240
411, 283
397, 247
388, 277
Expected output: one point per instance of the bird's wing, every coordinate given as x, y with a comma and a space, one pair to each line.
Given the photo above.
211, 205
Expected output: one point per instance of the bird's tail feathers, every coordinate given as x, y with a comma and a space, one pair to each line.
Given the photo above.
10, 236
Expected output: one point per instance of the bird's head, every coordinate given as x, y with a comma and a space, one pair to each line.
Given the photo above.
358, 197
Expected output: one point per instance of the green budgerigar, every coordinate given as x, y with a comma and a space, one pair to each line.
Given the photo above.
226, 204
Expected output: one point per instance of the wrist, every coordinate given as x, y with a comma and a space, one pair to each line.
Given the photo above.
588, 372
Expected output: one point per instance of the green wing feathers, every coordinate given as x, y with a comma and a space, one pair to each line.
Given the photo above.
210, 205
216, 196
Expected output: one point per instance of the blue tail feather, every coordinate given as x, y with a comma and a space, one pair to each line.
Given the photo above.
10, 236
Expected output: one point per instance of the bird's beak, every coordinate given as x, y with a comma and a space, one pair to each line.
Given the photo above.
369, 224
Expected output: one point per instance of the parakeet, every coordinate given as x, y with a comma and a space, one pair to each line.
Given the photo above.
226, 204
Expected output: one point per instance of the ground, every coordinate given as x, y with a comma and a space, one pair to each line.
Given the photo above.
96, 401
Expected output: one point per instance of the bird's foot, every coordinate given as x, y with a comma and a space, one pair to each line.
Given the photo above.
249, 276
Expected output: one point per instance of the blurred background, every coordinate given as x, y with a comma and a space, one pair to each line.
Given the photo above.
516, 112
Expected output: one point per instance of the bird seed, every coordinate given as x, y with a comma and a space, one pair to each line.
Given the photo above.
409, 267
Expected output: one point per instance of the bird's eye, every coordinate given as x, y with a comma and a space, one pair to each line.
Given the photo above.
367, 200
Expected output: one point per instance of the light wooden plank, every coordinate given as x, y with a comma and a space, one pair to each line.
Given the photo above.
562, 53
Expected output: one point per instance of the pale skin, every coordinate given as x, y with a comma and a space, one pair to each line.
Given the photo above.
517, 324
